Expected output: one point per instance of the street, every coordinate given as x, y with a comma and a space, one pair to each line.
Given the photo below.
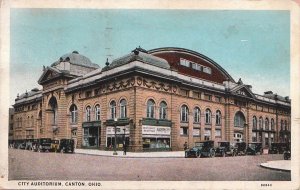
27, 165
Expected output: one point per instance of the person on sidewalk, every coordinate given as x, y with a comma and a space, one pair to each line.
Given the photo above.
185, 146
124, 147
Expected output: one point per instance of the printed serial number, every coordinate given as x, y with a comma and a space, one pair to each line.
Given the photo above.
266, 185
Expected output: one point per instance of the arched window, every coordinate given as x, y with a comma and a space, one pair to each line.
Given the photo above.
254, 122
74, 113
260, 123
150, 108
28, 121
196, 115
40, 118
281, 125
123, 109
113, 110
218, 117
88, 113
184, 113
207, 116
267, 124
97, 112
272, 124
239, 119
163, 110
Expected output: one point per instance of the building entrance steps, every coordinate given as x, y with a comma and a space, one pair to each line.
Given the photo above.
283, 165
167, 154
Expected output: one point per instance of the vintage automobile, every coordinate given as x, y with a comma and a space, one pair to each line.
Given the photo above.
54, 145
254, 148
277, 148
29, 143
66, 145
241, 148
208, 149
43, 144
226, 148
194, 152
21, 144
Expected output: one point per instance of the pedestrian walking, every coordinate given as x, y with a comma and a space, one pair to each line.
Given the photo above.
124, 148
185, 146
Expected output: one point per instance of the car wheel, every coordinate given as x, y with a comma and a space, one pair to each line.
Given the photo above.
212, 154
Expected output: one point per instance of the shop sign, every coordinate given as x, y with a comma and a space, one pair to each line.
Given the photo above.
154, 130
120, 130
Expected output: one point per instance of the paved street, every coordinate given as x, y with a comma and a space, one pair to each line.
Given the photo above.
26, 165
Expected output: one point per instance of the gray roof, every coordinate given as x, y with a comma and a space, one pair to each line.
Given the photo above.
29, 94
139, 56
76, 59
276, 96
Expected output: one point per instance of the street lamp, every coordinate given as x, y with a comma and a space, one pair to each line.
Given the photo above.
115, 144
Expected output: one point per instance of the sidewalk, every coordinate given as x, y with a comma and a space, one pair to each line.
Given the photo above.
283, 165
168, 154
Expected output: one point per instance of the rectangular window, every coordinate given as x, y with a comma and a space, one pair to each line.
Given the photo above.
184, 62
196, 66
88, 94
196, 132
218, 133
96, 92
183, 131
207, 97
206, 70
218, 99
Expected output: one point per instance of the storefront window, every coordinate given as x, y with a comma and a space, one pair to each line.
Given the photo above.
90, 136
150, 108
163, 110
123, 110
156, 143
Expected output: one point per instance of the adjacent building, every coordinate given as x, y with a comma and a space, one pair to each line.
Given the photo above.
153, 100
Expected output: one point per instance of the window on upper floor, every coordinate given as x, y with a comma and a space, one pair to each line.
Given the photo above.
260, 123
218, 117
239, 119
97, 112
150, 108
123, 108
267, 124
272, 124
254, 122
88, 113
184, 113
74, 113
207, 116
163, 110
197, 115
113, 109
184, 62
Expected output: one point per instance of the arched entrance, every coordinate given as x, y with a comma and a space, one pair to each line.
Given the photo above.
52, 114
239, 127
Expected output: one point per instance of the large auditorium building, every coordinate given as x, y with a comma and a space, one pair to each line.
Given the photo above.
155, 100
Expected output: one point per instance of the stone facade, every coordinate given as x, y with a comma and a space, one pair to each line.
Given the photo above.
150, 102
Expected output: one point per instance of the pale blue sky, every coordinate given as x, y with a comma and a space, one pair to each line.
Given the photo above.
252, 45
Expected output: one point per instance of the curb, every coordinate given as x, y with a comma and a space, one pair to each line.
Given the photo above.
126, 156
272, 168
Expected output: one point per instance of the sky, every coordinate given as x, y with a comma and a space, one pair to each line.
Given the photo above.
252, 45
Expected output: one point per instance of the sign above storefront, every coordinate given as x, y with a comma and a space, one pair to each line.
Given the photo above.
155, 130
120, 130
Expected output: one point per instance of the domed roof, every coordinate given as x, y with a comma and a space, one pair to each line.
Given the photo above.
76, 59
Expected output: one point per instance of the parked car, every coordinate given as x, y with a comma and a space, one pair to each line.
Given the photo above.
241, 148
21, 144
54, 145
254, 148
226, 148
208, 149
44, 144
29, 144
277, 148
34, 144
194, 152
66, 145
